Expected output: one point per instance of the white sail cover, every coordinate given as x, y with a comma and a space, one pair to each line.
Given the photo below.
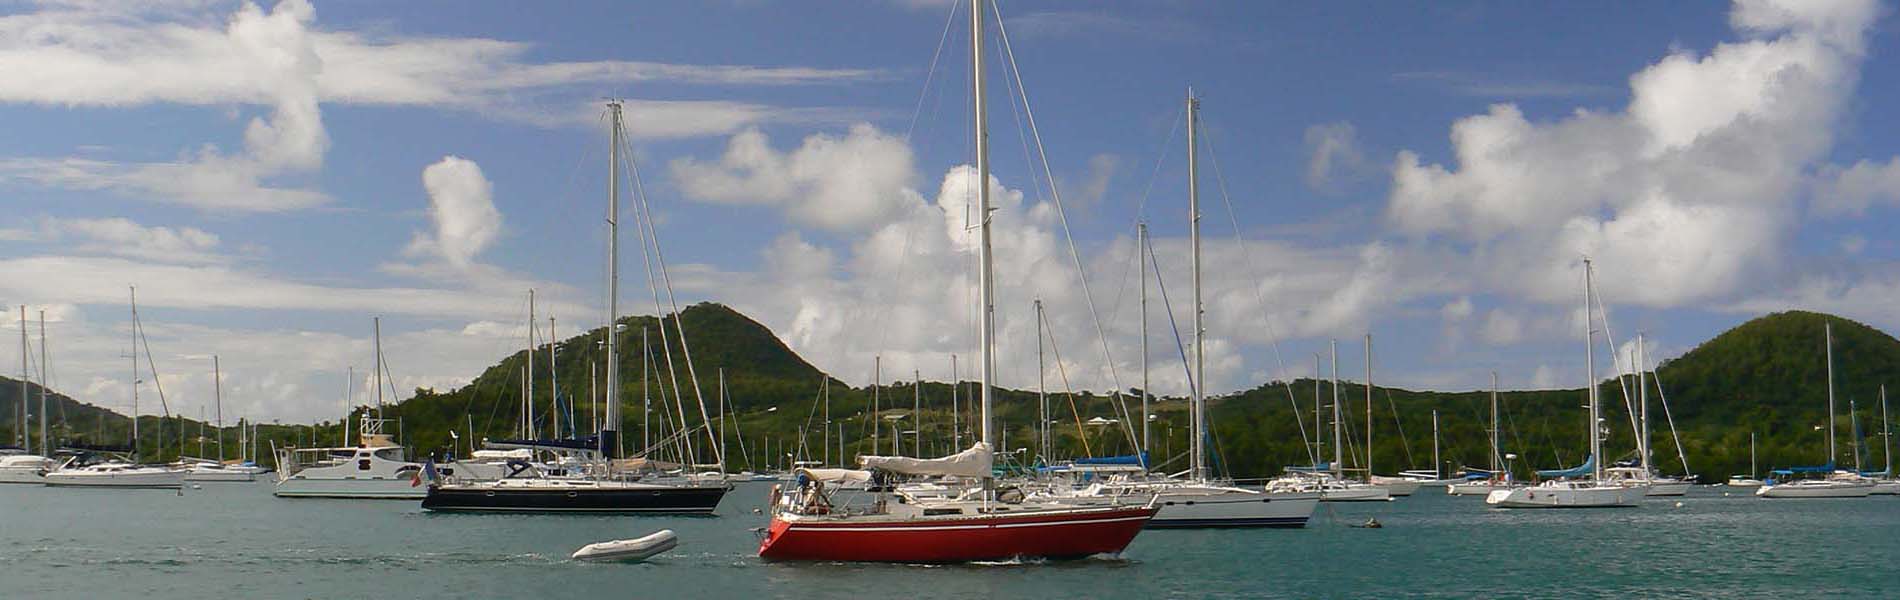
837, 475
974, 462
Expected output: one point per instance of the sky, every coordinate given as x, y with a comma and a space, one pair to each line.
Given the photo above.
272, 176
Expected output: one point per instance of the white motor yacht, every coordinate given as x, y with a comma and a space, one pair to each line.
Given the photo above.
1840, 484
1565, 493
24, 468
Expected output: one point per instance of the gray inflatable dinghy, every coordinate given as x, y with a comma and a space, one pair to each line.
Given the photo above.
634, 550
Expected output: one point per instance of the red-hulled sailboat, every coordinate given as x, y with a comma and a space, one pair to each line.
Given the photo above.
977, 524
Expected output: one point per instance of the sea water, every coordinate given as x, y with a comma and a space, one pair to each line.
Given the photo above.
236, 540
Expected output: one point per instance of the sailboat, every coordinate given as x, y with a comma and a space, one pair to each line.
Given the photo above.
220, 469
90, 469
601, 488
979, 523
1584, 487
1498, 477
1748, 481
1399, 486
1329, 480
1884, 482
1197, 500
21, 465
1644, 472
1831, 483
376, 468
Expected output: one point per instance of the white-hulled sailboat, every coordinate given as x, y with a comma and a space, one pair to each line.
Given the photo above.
1832, 483
1885, 484
976, 524
1589, 489
1500, 476
1748, 481
88, 469
1197, 499
21, 465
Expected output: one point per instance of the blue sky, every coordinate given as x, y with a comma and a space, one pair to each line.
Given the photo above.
272, 176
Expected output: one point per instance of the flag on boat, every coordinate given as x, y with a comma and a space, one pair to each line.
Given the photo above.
426, 472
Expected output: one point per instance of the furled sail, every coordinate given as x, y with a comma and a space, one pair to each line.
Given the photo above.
974, 462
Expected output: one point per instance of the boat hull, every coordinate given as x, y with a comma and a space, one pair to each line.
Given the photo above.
356, 489
220, 475
1887, 488
32, 476
643, 499
1357, 493
153, 479
1232, 510
1066, 534
1671, 488
1397, 487
1829, 490
1543, 497
1476, 488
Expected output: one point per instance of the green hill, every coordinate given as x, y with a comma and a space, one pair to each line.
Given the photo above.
1767, 376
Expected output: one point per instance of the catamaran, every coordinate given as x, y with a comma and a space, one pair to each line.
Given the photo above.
1824, 481
376, 468
979, 523
1586, 486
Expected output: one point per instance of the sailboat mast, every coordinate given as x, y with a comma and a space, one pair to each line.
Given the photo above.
1042, 394
1752, 469
527, 400
877, 400
554, 384
917, 412
26, 442
956, 412
985, 258
46, 443
1827, 330
1199, 406
1494, 422
1319, 429
1438, 471
1887, 437
1853, 421
135, 374
217, 393
1642, 399
722, 411
610, 427
1141, 256
377, 324
1339, 421
1590, 363
1368, 407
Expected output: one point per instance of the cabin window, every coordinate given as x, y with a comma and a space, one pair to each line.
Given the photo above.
932, 512
362, 465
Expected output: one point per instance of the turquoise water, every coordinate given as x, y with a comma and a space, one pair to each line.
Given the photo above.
235, 540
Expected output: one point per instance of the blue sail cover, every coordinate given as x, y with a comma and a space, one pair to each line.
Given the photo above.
1827, 468
1126, 459
1589, 465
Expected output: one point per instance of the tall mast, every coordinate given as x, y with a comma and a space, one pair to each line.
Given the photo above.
377, 324
1368, 407
554, 383
1642, 399
1827, 330
1590, 363
217, 391
956, 412
1319, 431
722, 412
824, 390
1198, 408
1751, 455
1886, 435
1042, 395
1494, 422
610, 430
135, 374
985, 256
1853, 420
917, 412
646, 393
527, 400
26, 442
1339, 447
46, 443
877, 381
1141, 251
1437, 471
